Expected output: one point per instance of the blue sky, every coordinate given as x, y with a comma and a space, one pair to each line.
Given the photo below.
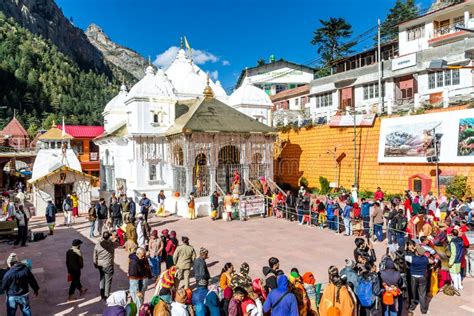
228, 34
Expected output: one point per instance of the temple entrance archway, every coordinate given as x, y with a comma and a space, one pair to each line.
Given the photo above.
229, 165
201, 179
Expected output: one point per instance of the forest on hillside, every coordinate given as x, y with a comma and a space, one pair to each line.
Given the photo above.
40, 84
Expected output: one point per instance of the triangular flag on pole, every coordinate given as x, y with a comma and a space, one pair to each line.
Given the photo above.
190, 51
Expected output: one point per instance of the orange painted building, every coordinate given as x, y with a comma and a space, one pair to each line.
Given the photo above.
86, 150
329, 152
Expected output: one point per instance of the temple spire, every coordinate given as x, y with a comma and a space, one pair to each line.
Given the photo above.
208, 93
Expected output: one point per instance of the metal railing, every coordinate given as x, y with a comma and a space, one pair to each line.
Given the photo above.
311, 218
448, 29
275, 186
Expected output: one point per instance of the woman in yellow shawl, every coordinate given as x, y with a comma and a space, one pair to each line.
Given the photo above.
336, 298
304, 305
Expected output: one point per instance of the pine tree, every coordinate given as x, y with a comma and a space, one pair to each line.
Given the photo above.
332, 41
402, 11
37, 79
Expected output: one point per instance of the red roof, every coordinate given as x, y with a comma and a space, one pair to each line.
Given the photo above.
83, 131
14, 128
290, 93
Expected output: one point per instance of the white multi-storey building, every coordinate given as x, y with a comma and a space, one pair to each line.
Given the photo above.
276, 76
407, 81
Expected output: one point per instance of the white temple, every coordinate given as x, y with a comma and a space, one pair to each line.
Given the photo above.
173, 131
252, 101
57, 172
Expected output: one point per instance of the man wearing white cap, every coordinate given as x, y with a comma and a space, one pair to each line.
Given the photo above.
16, 283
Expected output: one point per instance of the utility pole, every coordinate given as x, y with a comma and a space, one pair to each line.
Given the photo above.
435, 157
379, 57
355, 151
437, 161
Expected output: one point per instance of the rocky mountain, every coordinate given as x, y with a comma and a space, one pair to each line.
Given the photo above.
45, 18
439, 4
118, 55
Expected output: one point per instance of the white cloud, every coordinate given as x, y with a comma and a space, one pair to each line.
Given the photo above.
200, 57
214, 74
165, 59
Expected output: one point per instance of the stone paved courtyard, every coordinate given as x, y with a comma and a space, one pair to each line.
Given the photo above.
308, 249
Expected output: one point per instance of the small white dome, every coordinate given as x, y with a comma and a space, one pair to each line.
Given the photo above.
218, 90
118, 102
248, 94
152, 86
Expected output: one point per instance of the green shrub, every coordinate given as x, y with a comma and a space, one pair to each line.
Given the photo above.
390, 196
324, 183
365, 194
458, 187
303, 182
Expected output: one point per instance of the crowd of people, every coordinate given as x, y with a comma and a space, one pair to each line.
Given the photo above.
427, 252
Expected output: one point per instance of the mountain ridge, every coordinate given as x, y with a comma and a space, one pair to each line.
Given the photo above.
120, 56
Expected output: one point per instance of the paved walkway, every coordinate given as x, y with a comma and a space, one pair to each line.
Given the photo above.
309, 249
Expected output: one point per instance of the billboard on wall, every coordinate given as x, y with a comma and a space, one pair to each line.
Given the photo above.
407, 139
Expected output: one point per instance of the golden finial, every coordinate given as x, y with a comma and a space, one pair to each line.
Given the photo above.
208, 93
54, 124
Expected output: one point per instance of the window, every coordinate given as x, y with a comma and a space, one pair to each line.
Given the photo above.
156, 118
439, 79
455, 76
432, 80
407, 93
447, 78
77, 147
371, 90
279, 88
297, 102
415, 32
303, 101
459, 21
152, 172
323, 100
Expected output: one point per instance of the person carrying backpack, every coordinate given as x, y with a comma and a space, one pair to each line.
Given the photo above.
369, 290
280, 301
67, 210
401, 223
92, 216
102, 214
336, 299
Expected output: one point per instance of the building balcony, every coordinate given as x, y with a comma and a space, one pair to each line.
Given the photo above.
448, 33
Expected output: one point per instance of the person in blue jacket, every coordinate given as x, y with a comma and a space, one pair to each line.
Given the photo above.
280, 301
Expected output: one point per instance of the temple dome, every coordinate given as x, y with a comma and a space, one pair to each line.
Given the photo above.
118, 102
218, 90
152, 85
186, 77
248, 94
